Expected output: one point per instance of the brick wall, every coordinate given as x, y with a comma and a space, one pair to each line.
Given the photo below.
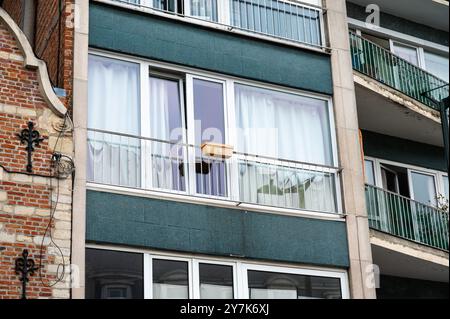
53, 41
27, 201
15, 9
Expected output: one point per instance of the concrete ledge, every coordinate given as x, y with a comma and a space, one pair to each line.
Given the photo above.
409, 248
396, 96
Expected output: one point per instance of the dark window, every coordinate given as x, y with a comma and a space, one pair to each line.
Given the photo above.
114, 275
270, 285
170, 279
216, 281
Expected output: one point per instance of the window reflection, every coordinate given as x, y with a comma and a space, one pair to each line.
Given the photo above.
113, 275
216, 281
170, 279
269, 285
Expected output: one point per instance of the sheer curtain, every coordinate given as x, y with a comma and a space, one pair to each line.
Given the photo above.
288, 127
165, 120
113, 106
204, 9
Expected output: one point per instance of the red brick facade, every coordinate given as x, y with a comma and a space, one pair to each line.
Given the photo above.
27, 200
53, 37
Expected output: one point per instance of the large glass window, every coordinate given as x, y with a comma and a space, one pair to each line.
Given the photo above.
114, 275
114, 105
166, 128
271, 285
437, 65
216, 281
170, 279
289, 127
209, 116
424, 188
199, 135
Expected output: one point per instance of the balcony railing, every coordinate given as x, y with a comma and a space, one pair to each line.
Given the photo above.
151, 164
402, 217
289, 20
382, 65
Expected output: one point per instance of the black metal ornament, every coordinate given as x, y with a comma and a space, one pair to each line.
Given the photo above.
25, 267
32, 138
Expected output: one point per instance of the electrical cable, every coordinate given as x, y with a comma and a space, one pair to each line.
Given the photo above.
61, 269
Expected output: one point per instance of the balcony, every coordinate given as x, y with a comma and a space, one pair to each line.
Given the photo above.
287, 20
140, 163
402, 217
382, 65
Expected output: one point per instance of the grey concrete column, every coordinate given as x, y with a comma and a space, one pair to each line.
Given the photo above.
344, 102
80, 102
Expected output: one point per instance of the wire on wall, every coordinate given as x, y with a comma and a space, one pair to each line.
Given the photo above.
61, 165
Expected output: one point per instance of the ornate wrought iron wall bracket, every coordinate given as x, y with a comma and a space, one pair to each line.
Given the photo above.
32, 138
25, 267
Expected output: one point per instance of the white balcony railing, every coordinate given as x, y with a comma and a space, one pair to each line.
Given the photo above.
289, 20
150, 164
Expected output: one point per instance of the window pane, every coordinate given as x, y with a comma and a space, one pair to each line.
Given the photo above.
269, 120
170, 279
204, 9
272, 185
209, 128
277, 18
175, 6
166, 125
370, 175
446, 187
437, 65
114, 106
216, 281
424, 188
113, 95
268, 285
407, 53
114, 275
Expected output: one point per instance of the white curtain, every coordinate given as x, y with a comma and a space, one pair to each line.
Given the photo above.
216, 292
114, 107
166, 158
204, 9
290, 127
273, 293
169, 291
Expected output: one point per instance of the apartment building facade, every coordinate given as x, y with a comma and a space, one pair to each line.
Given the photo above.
256, 149
196, 189
401, 84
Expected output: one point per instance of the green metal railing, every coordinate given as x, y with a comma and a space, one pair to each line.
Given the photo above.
403, 217
375, 61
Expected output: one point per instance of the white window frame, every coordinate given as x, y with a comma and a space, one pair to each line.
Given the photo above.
437, 175
419, 52
230, 136
240, 270
190, 78
294, 271
411, 187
